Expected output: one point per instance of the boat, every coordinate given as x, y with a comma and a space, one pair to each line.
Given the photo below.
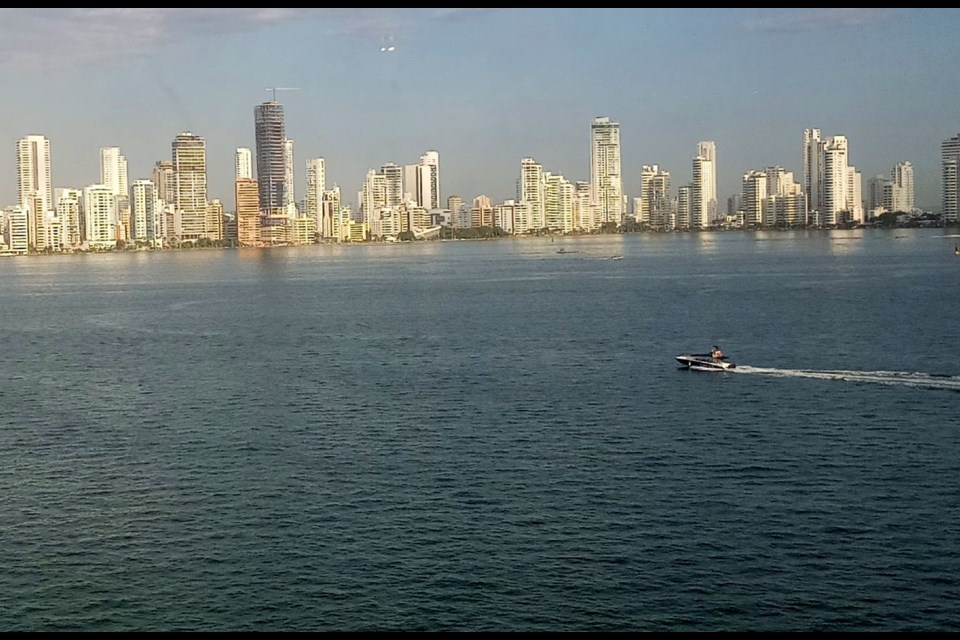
956, 250
713, 361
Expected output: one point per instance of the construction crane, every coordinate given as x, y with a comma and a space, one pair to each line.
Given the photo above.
275, 89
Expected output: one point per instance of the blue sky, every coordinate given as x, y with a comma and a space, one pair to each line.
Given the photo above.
485, 88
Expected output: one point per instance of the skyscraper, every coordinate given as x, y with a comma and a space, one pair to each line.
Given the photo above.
289, 198
113, 170
99, 209
248, 212
753, 204
190, 179
605, 177
654, 197
901, 175
558, 203
393, 185
532, 186
68, 210
832, 185
708, 186
950, 155
428, 181
145, 209
243, 163
165, 180
270, 134
33, 171
812, 172
34, 185
113, 175
316, 186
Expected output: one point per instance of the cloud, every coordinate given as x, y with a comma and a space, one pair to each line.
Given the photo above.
47, 37
807, 19
38, 38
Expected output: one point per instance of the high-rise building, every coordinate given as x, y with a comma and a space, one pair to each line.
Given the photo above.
879, 195
34, 185
33, 171
99, 213
707, 149
833, 187
754, 189
332, 215
316, 186
427, 185
455, 208
69, 211
505, 214
654, 198
901, 175
558, 203
113, 170
271, 136
950, 157
243, 163
16, 232
584, 211
784, 203
113, 175
145, 212
683, 207
248, 212
289, 182
605, 177
812, 172
213, 226
166, 182
481, 214
373, 198
703, 206
393, 184
190, 179
532, 184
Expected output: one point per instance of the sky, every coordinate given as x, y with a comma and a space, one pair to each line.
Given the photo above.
485, 88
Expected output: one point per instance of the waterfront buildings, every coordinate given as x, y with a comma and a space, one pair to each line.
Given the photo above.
174, 206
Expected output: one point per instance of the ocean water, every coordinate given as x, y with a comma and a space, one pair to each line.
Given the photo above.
485, 436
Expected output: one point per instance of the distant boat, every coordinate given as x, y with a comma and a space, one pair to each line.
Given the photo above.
713, 361
617, 258
956, 250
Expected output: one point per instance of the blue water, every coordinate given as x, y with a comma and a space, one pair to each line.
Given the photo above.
485, 436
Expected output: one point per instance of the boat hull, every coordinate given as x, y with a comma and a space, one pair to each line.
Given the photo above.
704, 362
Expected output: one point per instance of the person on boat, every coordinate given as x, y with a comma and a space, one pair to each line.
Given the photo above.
716, 353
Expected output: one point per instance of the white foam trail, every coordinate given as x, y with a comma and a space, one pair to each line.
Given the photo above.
906, 378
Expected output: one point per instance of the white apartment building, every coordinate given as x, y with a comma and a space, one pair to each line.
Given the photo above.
606, 178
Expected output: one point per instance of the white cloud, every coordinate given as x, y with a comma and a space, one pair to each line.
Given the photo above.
57, 37
804, 19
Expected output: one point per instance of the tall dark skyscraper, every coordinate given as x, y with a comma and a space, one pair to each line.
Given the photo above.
271, 136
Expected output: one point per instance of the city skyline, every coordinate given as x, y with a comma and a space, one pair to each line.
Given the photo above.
750, 80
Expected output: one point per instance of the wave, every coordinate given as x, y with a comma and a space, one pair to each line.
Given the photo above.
905, 378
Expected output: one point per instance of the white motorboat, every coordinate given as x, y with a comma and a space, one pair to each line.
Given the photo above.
713, 361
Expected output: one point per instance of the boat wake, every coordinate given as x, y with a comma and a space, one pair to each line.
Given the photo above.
902, 378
